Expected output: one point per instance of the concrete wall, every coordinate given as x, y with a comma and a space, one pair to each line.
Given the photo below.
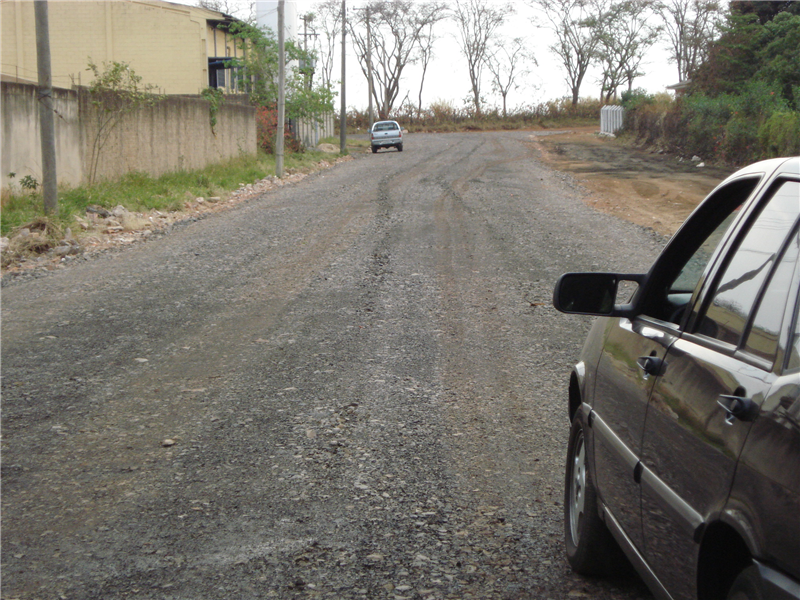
21, 146
167, 45
173, 134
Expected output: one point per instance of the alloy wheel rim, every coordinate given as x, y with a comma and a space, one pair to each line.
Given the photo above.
577, 495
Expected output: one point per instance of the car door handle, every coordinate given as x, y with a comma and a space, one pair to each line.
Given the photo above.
738, 407
652, 365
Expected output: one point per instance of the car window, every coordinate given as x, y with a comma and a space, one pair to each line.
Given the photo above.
762, 340
677, 273
692, 271
384, 126
738, 288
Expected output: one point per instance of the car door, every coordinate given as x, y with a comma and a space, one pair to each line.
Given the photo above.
691, 442
765, 497
622, 390
633, 353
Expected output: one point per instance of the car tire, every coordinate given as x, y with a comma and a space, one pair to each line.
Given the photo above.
747, 586
399, 147
374, 149
591, 550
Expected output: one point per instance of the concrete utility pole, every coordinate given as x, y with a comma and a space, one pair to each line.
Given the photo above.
281, 92
343, 111
47, 125
369, 67
310, 66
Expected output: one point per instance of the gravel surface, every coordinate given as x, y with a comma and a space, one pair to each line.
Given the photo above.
349, 387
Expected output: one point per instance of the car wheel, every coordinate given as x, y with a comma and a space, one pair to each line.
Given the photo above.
374, 149
399, 147
591, 550
747, 586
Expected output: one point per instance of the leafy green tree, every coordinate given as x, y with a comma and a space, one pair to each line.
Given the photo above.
765, 11
749, 50
780, 56
258, 67
731, 61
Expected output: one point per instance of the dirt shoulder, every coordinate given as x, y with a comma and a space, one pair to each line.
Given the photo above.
644, 187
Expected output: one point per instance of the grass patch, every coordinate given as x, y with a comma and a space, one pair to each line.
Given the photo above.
139, 192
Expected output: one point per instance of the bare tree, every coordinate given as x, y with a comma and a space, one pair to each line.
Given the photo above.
691, 26
329, 20
625, 34
427, 38
478, 24
575, 25
509, 62
244, 10
396, 29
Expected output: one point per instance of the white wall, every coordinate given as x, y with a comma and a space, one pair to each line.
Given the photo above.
267, 16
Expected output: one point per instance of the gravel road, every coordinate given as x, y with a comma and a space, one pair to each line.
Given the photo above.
351, 387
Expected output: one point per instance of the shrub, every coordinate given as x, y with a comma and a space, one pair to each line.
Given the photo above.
705, 122
267, 127
633, 99
779, 135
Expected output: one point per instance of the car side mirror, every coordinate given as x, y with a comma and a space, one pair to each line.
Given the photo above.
592, 294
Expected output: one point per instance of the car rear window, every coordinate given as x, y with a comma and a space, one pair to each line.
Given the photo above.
384, 126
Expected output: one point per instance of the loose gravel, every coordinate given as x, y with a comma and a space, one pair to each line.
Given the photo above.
349, 387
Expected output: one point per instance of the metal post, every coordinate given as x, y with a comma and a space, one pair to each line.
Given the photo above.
281, 92
46, 110
343, 111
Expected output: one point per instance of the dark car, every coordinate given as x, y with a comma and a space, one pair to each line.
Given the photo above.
684, 449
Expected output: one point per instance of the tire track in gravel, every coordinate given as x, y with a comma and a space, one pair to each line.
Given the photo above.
368, 388
143, 403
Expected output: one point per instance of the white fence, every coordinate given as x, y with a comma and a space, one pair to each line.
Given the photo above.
611, 119
310, 131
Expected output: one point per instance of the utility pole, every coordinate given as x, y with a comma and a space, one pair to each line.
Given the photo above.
46, 119
281, 92
309, 66
343, 111
369, 67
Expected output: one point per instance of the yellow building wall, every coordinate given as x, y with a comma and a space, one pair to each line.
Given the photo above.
166, 44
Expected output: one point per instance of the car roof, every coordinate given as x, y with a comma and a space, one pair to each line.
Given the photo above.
772, 166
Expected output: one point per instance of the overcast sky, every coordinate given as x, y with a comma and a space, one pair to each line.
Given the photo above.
448, 80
